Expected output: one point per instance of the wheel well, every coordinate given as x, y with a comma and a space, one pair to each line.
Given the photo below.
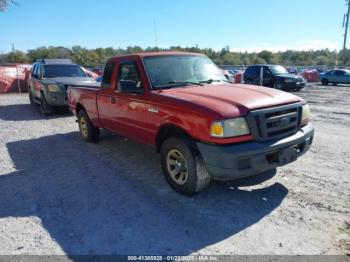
78, 107
169, 131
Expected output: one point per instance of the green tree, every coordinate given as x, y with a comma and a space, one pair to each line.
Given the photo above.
16, 57
231, 59
4, 4
267, 56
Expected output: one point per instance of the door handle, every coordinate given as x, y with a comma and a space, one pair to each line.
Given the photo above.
113, 100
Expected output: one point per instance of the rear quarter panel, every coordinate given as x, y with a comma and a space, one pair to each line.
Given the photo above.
85, 98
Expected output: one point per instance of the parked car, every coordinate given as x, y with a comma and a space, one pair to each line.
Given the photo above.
274, 76
229, 75
203, 126
311, 75
49, 81
90, 73
292, 70
338, 76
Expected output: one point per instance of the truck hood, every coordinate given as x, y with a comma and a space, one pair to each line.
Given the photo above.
69, 80
231, 100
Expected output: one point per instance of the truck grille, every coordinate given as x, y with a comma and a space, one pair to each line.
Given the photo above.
273, 123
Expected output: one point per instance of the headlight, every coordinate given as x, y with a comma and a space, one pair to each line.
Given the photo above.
229, 128
305, 115
289, 80
53, 88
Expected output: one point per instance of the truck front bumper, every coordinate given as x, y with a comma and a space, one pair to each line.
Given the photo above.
229, 162
57, 99
293, 86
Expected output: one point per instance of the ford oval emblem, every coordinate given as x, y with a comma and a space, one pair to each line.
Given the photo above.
284, 121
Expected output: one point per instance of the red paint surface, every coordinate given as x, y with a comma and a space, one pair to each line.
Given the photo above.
191, 109
9, 79
311, 76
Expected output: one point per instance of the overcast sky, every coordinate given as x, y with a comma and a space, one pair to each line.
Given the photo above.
250, 25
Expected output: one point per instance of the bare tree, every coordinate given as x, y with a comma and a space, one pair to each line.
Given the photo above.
5, 3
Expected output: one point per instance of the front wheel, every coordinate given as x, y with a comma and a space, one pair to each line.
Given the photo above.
278, 85
183, 166
324, 82
45, 108
88, 131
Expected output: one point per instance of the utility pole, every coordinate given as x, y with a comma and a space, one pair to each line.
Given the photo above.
18, 81
346, 25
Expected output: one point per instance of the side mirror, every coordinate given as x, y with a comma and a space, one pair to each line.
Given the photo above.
129, 86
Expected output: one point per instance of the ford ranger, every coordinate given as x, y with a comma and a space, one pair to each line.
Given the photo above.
203, 127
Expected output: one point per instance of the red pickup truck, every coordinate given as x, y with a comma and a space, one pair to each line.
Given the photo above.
203, 126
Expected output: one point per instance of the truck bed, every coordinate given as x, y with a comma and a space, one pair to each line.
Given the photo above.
85, 96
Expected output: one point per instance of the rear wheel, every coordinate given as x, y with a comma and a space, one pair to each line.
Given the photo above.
88, 131
324, 82
183, 166
45, 108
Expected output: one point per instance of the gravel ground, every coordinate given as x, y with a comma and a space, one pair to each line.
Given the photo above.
59, 195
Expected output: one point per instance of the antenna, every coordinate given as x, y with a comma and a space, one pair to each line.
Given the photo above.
346, 17
155, 32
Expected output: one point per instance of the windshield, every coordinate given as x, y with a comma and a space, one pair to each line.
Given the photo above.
278, 70
63, 71
178, 70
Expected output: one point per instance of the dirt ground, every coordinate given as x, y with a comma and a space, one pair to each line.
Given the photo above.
59, 195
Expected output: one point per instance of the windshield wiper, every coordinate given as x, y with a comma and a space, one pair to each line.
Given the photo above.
171, 84
210, 81
185, 82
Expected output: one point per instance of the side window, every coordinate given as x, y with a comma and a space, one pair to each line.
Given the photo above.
38, 70
128, 77
249, 71
339, 73
257, 71
107, 75
33, 70
266, 72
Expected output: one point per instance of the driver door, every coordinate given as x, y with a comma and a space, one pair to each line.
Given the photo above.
124, 108
267, 77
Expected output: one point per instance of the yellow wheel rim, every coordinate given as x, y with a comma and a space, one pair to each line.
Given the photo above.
83, 127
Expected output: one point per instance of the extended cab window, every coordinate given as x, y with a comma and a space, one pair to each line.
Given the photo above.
128, 77
339, 73
107, 75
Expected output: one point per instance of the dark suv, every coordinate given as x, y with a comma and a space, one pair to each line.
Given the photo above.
274, 76
49, 81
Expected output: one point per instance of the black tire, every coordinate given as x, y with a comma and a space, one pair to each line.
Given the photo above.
278, 85
324, 82
88, 131
45, 108
196, 178
335, 84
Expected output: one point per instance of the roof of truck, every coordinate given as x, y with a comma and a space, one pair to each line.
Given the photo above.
151, 54
166, 53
